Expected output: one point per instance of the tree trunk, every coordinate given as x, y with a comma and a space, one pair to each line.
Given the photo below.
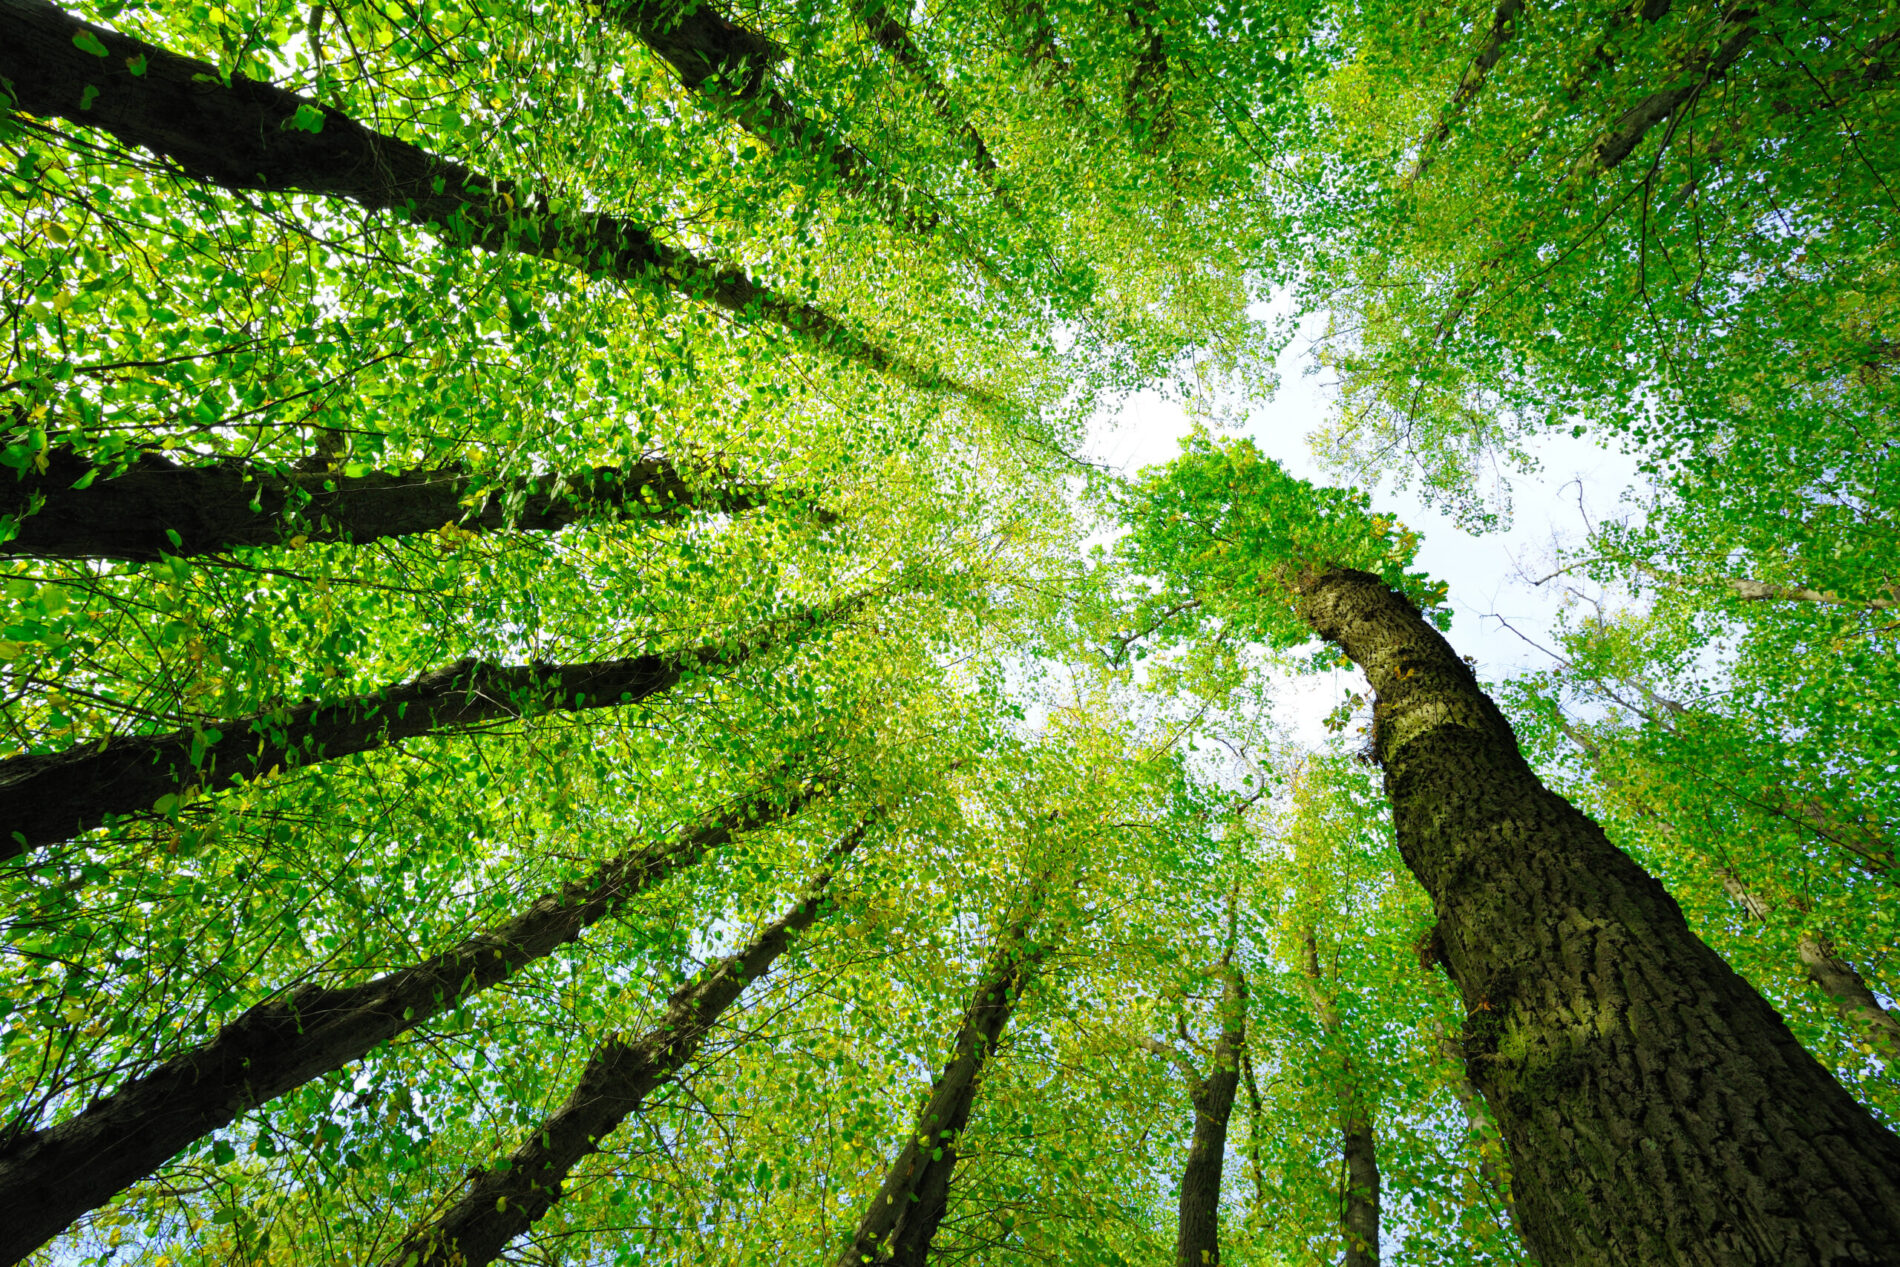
1503, 28
915, 1195
1197, 1241
1148, 97
889, 34
49, 797
245, 134
50, 1177
1853, 1002
157, 507
1628, 132
1656, 1109
1359, 1207
502, 1203
727, 65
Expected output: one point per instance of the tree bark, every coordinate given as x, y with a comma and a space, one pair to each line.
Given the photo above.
914, 1197
157, 507
502, 1203
1359, 1207
49, 797
727, 66
1148, 97
889, 34
50, 1177
1503, 27
1656, 1109
1197, 1239
1637, 121
245, 134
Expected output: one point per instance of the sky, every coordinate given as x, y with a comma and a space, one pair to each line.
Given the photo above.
1489, 593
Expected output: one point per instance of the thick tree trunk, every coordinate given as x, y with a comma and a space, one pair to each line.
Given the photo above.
504, 1202
1197, 1239
50, 1177
1656, 1109
49, 797
910, 1204
156, 507
1359, 1205
244, 134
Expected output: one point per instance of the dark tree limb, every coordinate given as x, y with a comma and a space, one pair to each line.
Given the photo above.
1636, 122
1503, 27
50, 1177
1148, 97
504, 1202
1682, 1122
245, 134
911, 1202
1359, 1207
1197, 1238
155, 507
49, 797
890, 35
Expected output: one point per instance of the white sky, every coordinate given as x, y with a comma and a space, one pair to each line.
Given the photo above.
1482, 571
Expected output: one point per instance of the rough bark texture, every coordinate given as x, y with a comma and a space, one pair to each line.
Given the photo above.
49, 797
1359, 1208
157, 507
245, 134
502, 1203
50, 1177
1197, 1239
915, 1195
1655, 1108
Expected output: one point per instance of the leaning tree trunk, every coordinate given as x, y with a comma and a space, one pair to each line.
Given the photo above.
1197, 1236
889, 34
1359, 1208
728, 67
245, 134
156, 507
503, 1202
51, 1176
49, 797
1656, 1109
915, 1195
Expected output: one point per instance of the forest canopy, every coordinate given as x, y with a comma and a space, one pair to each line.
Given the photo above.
571, 692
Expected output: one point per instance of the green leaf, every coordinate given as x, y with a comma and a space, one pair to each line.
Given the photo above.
87, 42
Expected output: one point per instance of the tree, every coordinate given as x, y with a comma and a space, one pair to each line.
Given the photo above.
1540, 918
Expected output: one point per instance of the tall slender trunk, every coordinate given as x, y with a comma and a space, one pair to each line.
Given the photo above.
51, 1176
49, 797
1197, 1238
889, 34
1697, 73
157, 507
911, 1202
728, 66
1854, 1003
1359, 1204
245, 134
1148, 97
504, 1202
1503, 28
1655, 1107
